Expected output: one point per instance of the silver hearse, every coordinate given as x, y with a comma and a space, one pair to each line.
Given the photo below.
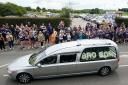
71, 58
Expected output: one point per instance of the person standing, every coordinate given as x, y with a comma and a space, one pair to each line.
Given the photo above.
49, 29
46, 34
74, 36
41, 38
13, 31
68, 37
80, 35
27, 39
32, 34
2, 45
65, 37
52, 38
3, 31
21, 36
10, 40
61, 36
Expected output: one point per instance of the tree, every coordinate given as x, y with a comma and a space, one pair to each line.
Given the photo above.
38, 9
123, 9
65, 12
28, 8
44, 9
11, 9
96, 11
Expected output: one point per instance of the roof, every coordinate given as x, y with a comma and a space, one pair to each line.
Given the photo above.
76, 46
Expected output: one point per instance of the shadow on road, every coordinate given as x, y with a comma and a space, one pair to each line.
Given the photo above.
89, 79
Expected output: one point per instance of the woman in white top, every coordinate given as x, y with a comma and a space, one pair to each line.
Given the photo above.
68, 37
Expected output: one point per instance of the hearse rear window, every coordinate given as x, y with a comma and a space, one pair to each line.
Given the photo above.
98, 53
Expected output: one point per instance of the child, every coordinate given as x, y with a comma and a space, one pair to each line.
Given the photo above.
68, 37
41, 38
61, 37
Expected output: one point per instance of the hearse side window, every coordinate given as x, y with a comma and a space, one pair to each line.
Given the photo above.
49, 60
67, 58
89, 54
98, 53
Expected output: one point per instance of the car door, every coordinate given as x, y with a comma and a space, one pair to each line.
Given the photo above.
47, 67
67, 64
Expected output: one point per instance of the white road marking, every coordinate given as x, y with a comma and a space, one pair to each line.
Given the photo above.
124, 56
3, 65
124, 52
5, 75
1, 53
123, 66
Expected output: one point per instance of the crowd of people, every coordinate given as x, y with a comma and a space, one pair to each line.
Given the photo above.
31, 36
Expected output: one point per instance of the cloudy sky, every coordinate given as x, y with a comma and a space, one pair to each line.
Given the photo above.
76, 4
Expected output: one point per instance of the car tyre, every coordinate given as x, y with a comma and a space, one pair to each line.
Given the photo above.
104, 71
24, 78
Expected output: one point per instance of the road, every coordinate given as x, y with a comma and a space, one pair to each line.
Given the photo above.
79, 21
119, 77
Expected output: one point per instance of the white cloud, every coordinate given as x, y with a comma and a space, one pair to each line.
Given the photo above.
76, 4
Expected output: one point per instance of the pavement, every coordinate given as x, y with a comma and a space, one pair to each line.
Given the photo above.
119, 77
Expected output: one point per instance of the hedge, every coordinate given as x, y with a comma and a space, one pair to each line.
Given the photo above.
38, 21
119, 21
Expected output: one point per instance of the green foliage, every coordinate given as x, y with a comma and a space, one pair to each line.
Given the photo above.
11, 9
96, 11
123, 9
38, 9
38, 21
91, 11
28, 8
125, 13
54, 11
65, 13
119, 21
81, 11
44, 9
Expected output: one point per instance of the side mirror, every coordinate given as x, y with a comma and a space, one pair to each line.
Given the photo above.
39, 65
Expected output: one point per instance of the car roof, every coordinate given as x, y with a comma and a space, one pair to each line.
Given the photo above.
77, 46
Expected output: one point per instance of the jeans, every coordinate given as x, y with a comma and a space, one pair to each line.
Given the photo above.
2, 45
10, 43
